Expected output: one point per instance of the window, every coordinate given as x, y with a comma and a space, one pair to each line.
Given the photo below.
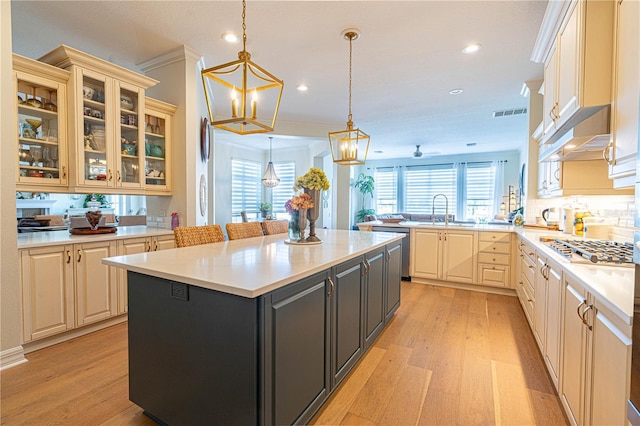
479, 191
246, 189
422, 183
386, 184
280, 194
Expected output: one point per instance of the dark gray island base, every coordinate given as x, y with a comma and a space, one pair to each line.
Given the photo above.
201, 356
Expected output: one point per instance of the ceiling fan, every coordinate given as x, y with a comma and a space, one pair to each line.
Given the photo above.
417, 153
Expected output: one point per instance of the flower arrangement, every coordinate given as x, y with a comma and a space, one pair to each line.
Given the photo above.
297, 202
315, 178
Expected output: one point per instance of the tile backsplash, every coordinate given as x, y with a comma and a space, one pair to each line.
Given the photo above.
620, 207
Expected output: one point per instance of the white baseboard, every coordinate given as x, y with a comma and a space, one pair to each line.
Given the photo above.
12, 357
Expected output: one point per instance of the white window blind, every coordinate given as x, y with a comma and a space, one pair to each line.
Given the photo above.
245, 186
422, 183
479, 190
386, 190
280, 194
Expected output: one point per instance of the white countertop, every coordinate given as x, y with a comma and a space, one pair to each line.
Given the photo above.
253, 266
438, 225
39, 239
612, 285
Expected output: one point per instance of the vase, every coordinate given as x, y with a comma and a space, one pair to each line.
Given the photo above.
294, 227
312, 214
302, 222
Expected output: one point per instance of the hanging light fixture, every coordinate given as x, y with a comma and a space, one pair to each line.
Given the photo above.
349, 146
246, 96
270, 178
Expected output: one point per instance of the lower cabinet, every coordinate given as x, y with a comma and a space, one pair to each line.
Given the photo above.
444, 255
271, 360
66, 286
494, 259
596, 360
135, 246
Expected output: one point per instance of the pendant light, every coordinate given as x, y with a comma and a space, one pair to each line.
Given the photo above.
270, 178
242, 97
350, 146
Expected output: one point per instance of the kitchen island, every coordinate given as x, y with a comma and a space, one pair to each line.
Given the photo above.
255, 331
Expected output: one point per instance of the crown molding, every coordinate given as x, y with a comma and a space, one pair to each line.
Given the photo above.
553, 16
180, 54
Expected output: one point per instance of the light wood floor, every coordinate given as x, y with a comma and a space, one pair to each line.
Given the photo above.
448, 357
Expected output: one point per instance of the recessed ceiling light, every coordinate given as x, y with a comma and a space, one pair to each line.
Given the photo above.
472, 48
455, 91
230, 37
302, 88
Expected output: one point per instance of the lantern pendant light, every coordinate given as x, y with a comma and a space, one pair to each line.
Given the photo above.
270, 178
350, 146
242, 97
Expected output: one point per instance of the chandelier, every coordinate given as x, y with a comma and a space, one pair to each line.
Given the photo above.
270, 178
242, 97
350, 146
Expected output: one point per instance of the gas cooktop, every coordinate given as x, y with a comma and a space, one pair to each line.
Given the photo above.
600, 252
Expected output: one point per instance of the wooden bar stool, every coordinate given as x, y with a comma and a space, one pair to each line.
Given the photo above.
195, 235
237, 231
271, 227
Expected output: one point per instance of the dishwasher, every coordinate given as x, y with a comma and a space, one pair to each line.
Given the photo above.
406, 245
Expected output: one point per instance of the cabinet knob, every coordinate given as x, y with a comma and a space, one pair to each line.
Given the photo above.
64, 172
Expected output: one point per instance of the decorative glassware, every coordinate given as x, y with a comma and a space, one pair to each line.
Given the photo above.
294, 227
302, 222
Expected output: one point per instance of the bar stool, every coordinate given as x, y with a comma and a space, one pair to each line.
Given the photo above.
271, 227
195, 235
237, 231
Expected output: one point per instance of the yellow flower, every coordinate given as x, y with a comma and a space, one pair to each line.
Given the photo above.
315, 178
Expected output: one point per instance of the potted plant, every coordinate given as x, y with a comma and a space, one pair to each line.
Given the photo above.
265, 208
365, 184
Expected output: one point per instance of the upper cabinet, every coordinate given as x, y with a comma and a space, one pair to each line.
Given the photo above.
157, 146
41, 125
106, 123
578, 67
622, 151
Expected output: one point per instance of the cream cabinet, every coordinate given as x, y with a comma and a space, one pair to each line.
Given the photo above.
41, 126
596, 349
565, 178
547, 311
106, 127
494, 259
48, 299
526, 278
622, 152
135, 246
157, 146
578, 68
66, 286
444, 255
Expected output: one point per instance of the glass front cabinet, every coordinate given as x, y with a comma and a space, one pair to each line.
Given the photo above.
41, 126
107, 123
157, 145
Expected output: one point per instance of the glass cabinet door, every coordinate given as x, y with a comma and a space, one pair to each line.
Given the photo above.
129, 149
41, 131
95, 131
157, 146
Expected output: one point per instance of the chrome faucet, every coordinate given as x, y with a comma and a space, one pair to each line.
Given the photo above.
446, 206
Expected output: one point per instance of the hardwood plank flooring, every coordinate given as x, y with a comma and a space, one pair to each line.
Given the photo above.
448, 357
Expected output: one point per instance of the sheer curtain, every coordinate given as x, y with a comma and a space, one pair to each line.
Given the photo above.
498, 190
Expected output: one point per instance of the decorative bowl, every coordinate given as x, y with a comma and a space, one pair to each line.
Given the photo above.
156, 151
128, 149
126, 103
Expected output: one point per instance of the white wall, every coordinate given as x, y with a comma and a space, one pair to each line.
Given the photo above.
10, 319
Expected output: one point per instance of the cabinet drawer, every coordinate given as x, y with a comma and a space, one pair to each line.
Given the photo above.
504, 237
527, 249
494, 275
491, 247
528, 270
494, 258
527, 302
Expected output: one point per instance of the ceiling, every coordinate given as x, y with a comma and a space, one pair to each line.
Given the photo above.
409, 56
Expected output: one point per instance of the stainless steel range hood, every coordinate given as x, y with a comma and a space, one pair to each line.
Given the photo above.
585, 140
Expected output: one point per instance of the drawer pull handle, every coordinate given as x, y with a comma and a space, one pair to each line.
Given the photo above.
79, 255
333, 287
68, 256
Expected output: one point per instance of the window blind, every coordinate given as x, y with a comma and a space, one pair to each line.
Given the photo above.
479, 190
422, 183
245, 186
280, 194
386, 190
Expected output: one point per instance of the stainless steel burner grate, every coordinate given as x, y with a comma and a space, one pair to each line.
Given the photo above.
594, 251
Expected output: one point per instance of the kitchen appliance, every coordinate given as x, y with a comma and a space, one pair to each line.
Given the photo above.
566, 220
599, 252
406, 246
633, 404
551, 216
